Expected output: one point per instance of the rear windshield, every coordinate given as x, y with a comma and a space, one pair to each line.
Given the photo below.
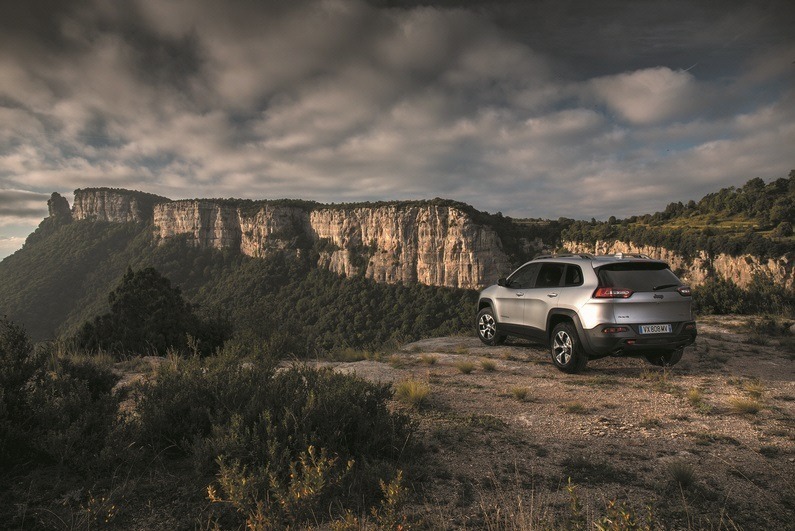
638, 276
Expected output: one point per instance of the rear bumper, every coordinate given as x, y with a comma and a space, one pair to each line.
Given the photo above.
632, 342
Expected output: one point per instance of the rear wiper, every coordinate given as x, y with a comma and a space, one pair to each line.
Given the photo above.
663, 286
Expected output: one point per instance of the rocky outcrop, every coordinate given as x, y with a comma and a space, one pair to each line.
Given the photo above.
205, 223
739, 269
58, 207
430, 244
120, 206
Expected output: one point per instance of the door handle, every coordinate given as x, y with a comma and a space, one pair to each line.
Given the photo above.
551, 295
520, 294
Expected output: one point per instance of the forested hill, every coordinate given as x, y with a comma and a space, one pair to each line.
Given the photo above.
755, 219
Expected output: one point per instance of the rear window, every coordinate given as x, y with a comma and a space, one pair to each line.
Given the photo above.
638, 276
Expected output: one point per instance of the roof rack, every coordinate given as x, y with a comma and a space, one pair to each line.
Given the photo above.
621, 256
565, 255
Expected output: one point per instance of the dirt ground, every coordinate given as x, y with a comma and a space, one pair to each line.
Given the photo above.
516, 444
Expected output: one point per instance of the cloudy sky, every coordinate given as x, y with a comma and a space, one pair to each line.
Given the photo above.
533, 108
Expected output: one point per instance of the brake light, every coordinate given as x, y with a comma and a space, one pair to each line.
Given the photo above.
612, 293
684, 291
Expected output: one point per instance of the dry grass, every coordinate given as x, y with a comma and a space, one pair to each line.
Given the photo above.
428, 359
754, 388
413, 393
488, 365
695, 397
575, 407
465, 367
745, 406
682, 473
520, 393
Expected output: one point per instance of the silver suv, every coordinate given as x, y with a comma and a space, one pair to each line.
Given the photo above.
588, 307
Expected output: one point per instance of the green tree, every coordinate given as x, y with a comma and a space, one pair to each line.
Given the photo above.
146, 315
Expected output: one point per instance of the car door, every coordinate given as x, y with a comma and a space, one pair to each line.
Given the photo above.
543, 296
511, 297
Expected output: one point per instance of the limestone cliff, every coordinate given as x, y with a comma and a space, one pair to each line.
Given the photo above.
739, 269
426, 243
108, 204
430, 244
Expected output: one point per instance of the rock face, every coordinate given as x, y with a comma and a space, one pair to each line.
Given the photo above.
427, 242
430, 244
739, 269
120, 206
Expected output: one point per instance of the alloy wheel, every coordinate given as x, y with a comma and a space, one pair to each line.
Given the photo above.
562, 347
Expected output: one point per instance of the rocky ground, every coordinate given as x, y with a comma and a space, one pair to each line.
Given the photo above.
516, 444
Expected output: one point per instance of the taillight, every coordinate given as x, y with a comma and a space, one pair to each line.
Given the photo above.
614, 329
684, 291
612, 293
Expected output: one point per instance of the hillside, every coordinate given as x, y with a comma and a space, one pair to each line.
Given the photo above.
756, 220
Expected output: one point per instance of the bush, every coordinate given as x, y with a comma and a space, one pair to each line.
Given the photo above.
763, 296
51, 408
18, 364
280, 443
72, 411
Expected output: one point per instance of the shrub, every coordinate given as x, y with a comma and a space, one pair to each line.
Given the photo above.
280, 442
72, 411
51, 408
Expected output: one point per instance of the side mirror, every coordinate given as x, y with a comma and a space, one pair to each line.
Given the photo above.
502, 282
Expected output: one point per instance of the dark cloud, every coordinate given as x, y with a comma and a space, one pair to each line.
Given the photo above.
20, 204
540, 109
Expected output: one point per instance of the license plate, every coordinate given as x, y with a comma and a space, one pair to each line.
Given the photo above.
655, 329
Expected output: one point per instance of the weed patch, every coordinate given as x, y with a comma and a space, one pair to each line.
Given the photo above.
488, 365
412, 392
465, 367
744, 406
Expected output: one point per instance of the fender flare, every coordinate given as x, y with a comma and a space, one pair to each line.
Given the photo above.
572, 315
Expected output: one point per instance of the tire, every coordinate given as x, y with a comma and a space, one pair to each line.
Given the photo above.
566, 350
665, 359
486, 326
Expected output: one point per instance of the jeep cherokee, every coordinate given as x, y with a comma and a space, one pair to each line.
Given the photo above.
588, 307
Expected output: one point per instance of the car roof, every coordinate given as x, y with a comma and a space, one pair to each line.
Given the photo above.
599, 260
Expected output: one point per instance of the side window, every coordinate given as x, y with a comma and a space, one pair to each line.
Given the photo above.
523, 278
549, 275
573, 276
